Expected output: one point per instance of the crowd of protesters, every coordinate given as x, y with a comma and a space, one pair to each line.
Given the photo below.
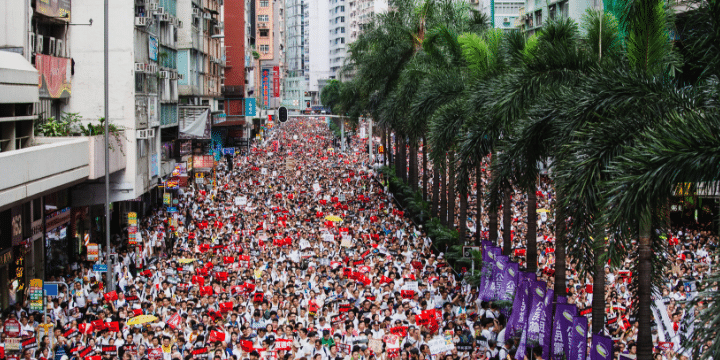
297, 251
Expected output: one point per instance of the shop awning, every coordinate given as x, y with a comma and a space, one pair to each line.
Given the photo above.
18, 79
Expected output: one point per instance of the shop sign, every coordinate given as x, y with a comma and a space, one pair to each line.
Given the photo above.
6, 257
12, 329
132, 229
172, 209
54, 76
167, 198
16, 225
56, 219
36, 294
203, 161
152, 48
171, 184
58, 9
93, 252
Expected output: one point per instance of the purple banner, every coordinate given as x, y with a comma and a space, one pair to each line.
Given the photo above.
562, 299
578, 339
546, 324
493, 253
537, 309
521, 308
511, 281
485, 269
498, 276
564, 314
602, 348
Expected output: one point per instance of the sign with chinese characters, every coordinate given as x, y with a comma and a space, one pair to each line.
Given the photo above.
93, 252
36, 294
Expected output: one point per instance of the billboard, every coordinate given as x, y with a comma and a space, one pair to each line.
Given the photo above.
54, 81
59, 9
276, 81
265, 86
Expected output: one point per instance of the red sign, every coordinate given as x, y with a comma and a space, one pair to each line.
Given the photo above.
12, 328
53, 72
203, 161
276, 81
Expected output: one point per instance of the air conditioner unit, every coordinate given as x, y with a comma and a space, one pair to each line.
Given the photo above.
506, 20
39, 44
152, 7
141, 21
163, 75
196, 12
174, 75
165, 17
180, 24
150, 133
51, 46
207, 15
181, 77
174, 21
59, 48
160, 10
139, 67
141, 134
31, 41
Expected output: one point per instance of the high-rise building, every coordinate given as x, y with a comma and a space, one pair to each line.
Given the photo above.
297, 45
269, 44
361, 13
339, 36
319, 49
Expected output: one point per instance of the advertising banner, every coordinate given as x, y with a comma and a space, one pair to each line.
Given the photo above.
276, 81
153, 48
54, 81
59, 9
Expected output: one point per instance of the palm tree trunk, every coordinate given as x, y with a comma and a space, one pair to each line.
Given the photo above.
443, 196
402, 157
507, 221
383, 143
560, 266
398, 172
424, 170
531, 234
413, 178
478, 217
462, 222
598, 298
451, 190
644, 344
435, 191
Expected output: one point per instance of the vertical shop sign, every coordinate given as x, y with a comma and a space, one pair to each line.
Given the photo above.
265, 86
276, 81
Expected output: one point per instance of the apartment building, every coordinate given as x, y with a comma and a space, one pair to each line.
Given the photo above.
534, 13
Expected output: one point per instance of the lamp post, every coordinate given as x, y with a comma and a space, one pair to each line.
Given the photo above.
108, 273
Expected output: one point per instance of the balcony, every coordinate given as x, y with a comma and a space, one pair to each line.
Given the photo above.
43, 168
96, 152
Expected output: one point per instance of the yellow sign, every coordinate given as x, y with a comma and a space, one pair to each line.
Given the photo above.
199, 175
36, 283
380, 149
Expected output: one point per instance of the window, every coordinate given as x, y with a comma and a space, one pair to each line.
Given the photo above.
264, 32
264, 3
263, 18
264, 48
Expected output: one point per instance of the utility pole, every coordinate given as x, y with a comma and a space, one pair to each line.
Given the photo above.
342, 134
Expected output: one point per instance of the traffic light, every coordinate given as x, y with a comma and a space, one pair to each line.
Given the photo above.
282, 114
